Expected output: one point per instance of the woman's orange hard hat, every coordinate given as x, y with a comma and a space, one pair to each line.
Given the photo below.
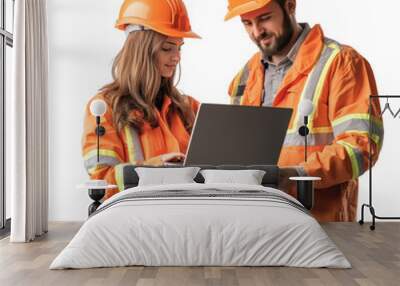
168, 17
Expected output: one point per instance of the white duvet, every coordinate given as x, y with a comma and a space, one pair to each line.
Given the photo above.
203, 231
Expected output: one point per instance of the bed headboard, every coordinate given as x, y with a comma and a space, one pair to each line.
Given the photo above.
270, 179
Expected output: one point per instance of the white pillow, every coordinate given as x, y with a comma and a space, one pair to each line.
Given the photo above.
248, 177
163, 176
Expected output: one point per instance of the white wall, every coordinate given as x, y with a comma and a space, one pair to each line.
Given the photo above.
83, 43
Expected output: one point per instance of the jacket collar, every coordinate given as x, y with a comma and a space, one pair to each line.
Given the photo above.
309, 51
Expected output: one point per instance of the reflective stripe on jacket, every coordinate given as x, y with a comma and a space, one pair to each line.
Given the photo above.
128, 146
339, 82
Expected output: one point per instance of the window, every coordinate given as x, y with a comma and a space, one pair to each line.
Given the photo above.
6, 44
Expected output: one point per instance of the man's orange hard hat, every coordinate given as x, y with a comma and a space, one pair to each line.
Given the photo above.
239, 7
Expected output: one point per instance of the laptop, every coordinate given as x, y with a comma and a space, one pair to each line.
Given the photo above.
237, 135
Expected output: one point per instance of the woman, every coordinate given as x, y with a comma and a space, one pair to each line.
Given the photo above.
148, 121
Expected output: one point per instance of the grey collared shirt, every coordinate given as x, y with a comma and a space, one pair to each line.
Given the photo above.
274, 74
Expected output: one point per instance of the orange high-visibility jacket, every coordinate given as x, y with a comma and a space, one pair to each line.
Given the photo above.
130, 146
339, 82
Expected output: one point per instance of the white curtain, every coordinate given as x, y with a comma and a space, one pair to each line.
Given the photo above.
29, 135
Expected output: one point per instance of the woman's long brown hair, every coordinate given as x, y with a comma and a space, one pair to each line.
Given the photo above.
137, 83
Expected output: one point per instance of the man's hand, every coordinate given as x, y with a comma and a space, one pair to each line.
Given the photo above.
285, 184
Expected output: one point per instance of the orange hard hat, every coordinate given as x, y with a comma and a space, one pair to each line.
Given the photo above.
239, 7
168, 17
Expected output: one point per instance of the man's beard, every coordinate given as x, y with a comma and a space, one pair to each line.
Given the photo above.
280, 42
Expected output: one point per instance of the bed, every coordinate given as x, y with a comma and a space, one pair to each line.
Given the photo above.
201, 224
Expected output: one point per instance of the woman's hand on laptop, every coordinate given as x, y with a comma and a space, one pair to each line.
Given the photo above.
161, 160
174, 157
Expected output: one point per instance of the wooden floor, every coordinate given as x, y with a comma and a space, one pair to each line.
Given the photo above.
375, 257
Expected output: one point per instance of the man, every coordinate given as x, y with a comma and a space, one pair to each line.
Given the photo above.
297, 63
